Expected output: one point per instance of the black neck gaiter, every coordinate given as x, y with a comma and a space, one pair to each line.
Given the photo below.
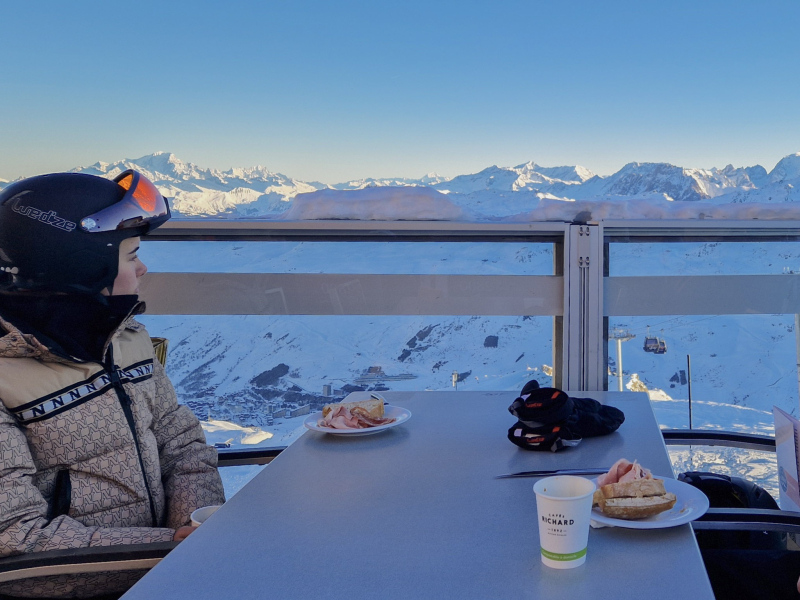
71, 325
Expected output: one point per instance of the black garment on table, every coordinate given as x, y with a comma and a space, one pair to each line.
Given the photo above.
549, 419
75, 326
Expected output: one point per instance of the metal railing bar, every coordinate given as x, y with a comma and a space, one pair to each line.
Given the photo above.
699, 437
83, 560
699, 230
235, 457
244, 230
749, 519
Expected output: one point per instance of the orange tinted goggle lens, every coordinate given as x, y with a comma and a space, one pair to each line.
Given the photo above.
126, 181
141, 204
146, 195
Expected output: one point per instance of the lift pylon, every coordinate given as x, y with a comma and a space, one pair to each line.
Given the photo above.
621, 335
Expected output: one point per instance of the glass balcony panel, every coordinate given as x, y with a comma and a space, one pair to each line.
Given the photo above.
759, 467
241, 366
741, 363
252, 380
703, 258
235, 478
412, 258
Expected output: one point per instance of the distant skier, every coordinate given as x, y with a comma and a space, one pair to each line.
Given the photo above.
94, 448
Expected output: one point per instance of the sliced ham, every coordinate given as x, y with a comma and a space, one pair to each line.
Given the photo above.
636, 471
623, 471
342, 418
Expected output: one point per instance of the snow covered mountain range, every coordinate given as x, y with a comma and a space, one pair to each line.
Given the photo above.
491, 193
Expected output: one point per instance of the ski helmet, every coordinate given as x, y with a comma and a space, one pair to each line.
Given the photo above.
61, 232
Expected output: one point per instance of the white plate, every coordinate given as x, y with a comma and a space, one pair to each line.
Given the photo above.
401, 415
691, 504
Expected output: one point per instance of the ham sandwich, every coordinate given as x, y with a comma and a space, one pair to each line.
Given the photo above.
629, 491
354, 415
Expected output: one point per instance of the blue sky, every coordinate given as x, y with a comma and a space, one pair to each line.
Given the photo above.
330, 91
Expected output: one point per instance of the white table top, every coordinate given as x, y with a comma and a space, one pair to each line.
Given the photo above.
414, 512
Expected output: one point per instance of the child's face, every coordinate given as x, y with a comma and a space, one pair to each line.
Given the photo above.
130, 269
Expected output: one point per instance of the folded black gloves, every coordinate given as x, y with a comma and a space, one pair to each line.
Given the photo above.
550, 420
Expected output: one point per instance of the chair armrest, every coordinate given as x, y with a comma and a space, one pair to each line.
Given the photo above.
749, 519
702, 437
83, 560
233, 457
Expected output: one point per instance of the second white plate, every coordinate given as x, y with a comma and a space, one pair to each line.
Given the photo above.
401, 415
691, 504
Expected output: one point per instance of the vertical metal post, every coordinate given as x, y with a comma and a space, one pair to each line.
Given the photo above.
619, 363
583, 309
689, 375
560, 252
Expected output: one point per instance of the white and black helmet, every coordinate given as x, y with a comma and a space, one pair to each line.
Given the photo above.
61, 232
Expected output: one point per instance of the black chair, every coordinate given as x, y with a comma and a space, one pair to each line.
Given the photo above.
741, 563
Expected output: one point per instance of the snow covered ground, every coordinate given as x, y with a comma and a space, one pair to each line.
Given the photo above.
282, 433
759, 467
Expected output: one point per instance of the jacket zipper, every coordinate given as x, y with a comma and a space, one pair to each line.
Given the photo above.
125, 402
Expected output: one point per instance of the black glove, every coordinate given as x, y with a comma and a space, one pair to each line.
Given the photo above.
550, 420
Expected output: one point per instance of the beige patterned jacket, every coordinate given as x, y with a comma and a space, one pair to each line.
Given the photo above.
65, 417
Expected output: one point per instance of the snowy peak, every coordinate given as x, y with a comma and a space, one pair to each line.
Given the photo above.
525, 177
167, 163
678, 183
786, 169
158, 167
196, 191
636, 179
360, 184
576, 174
494, 177
251, 173
758, 175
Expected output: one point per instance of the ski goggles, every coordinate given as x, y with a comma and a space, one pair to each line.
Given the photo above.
142, 205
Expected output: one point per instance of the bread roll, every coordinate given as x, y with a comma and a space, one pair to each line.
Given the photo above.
638, 507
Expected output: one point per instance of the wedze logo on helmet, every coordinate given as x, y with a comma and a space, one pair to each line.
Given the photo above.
48, 218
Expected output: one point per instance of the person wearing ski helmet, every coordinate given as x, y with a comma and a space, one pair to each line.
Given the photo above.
94, 448
61, 232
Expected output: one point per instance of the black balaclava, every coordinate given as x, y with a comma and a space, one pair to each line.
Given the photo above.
75, 326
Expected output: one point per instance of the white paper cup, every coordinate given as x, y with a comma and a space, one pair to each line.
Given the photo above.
563, 506
201, 514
